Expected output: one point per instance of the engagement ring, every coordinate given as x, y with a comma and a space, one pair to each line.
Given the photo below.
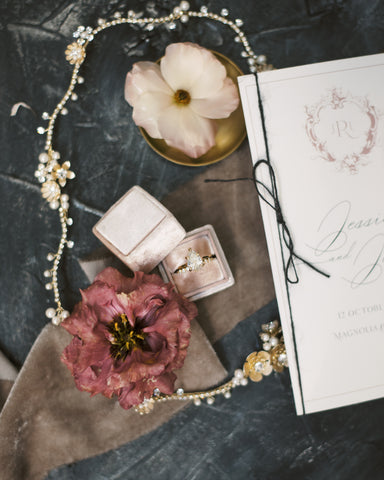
194, 262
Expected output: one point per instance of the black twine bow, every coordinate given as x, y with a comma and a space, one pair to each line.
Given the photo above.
275, 204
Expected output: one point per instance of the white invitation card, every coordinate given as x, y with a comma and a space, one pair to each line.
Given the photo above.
324, 128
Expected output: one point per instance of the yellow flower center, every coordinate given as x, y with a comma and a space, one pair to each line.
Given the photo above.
125, 337
182, 97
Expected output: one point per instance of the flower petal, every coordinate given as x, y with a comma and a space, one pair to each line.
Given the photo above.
155, 341
131, 395
147, 109
121, 283
83, 322
190, 67
144, 77
102, 300
182, 65
182, 128
219, 105
147, 92
165, 383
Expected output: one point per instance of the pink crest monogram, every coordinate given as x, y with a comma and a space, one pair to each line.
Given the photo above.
343, 129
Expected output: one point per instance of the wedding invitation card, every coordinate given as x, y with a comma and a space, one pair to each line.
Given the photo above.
324, 128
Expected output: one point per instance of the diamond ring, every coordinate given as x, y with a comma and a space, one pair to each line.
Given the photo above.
194, 262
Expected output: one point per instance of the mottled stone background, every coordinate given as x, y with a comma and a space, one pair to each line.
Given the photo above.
256, 434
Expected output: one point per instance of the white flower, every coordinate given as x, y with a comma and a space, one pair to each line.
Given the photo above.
179, 99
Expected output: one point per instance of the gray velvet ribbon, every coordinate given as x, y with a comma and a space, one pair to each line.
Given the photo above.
47, 422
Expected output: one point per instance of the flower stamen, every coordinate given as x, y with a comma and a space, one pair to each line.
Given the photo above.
182, 97
125, 337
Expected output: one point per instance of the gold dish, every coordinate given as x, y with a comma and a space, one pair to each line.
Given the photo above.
230, 132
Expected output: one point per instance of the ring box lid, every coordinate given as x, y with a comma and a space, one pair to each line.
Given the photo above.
139, 230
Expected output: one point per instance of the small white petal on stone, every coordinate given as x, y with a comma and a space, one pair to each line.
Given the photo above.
16, 106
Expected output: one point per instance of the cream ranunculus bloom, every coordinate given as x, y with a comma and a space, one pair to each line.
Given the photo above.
179, 99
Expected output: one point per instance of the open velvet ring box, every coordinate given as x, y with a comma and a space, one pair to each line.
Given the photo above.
143, 234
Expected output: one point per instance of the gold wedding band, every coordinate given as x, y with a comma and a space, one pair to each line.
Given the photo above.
194, 262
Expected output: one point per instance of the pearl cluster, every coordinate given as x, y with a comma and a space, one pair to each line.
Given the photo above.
50, 173
272, 339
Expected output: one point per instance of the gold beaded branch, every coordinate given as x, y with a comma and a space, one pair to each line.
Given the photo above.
54, 175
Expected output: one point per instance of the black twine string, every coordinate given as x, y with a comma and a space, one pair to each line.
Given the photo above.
286, 235
275, 204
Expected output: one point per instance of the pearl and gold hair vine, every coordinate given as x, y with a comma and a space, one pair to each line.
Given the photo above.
54, 173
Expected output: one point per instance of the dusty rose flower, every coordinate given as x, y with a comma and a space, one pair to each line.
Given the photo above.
179, 99
129, 336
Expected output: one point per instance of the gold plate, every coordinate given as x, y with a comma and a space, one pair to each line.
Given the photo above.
230, 132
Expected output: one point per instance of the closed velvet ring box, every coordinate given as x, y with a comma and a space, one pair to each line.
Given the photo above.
142, 233
139, 230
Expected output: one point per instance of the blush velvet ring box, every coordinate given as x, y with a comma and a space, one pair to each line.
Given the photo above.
143, 234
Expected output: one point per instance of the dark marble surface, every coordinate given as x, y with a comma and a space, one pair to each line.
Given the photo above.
256, 433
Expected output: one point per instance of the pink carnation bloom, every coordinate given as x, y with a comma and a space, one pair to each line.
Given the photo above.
179, 99
130, 334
